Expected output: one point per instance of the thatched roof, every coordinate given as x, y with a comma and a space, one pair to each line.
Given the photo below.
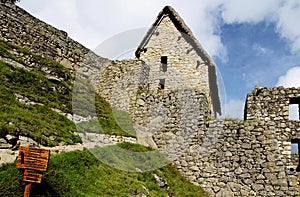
183, 28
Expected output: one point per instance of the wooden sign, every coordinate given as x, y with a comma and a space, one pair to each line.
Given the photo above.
34, 161
33, 158
32, 176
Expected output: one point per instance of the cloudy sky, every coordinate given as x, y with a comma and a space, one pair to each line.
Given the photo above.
252, 41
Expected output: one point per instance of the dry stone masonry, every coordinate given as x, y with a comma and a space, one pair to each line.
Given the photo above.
23, 29
170, 92
251, 157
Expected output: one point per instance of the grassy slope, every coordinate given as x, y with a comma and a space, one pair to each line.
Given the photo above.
38, 121
78, 173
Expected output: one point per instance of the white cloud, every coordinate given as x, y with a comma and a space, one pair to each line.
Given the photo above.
284, 13
250, 11
288, 24
91, 22
234, 109
290, 79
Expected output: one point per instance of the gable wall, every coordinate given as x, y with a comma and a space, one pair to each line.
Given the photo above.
183, 72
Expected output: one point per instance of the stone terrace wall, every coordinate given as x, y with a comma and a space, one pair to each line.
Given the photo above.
120, 82
21, 28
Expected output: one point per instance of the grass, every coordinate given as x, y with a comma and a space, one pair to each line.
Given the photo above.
87, 103
34, 84
232, 119
127, 156
115, 122
79, 173
38, 121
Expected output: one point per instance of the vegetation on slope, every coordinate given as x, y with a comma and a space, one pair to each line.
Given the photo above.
79, 173
39, 121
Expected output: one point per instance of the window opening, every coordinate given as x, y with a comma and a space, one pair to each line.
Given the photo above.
164, 63
162, 84
198, 64
294, 109
295, 156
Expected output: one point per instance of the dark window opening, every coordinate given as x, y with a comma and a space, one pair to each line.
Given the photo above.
198, 64
294, 112
295, 150
22, 158
164, 63
162, 84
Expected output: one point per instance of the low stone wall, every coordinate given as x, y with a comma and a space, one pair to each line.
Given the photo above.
172, 119
9, 152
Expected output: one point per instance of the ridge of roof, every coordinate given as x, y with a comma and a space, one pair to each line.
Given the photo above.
183, 28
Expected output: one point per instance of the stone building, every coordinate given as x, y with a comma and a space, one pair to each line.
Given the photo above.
170, 69
176, 59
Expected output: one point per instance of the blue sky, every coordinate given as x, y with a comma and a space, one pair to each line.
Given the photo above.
253, 42
256, 54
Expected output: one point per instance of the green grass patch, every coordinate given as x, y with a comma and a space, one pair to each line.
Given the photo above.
113, 122
34, 84
35, 121
79, 173
131, 157
40, 122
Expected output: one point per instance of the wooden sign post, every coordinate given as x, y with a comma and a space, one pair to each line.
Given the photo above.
34, 161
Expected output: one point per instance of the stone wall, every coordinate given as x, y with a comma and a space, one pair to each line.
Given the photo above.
21, 28
270, 104
121, 81
127, 86
173, 120
252, 157
185, 68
